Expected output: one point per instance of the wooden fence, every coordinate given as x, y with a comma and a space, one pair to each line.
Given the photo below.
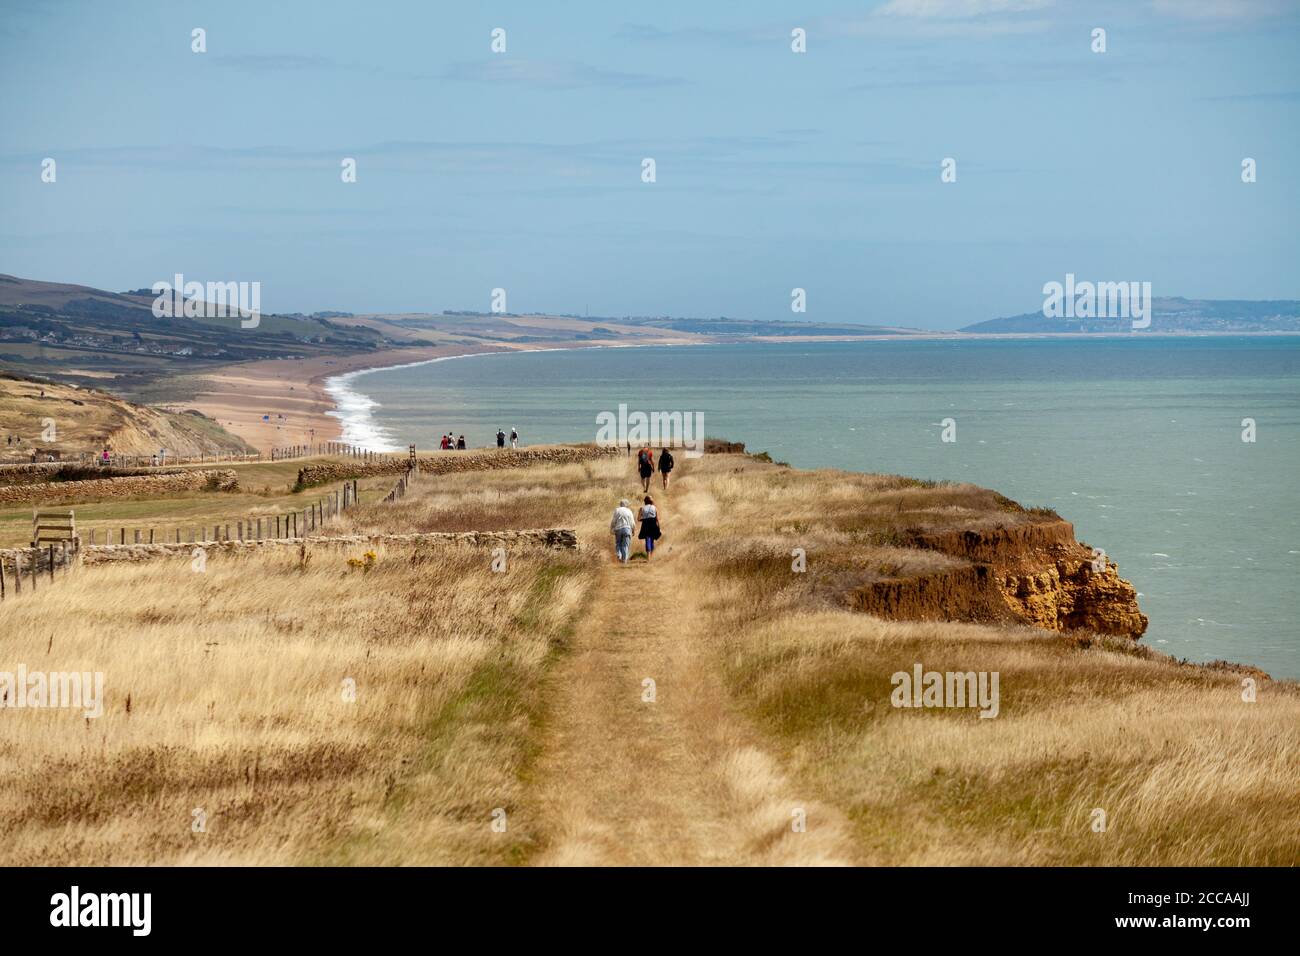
133, 461
408, 479
54, 541
329, 448
292, 524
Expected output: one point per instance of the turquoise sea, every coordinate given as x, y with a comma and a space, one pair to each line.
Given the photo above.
1137, 440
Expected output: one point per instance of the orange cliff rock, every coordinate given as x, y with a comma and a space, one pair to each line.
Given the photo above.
1033, 573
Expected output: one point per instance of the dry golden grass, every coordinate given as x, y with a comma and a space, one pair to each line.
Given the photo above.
1186, 772
523, 691
234, 678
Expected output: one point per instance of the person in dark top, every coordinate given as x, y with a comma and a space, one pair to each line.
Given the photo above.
665, 465
649, 518
501, 438
460, 443
645, 466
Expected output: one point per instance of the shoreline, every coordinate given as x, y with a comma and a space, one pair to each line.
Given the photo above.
296, 394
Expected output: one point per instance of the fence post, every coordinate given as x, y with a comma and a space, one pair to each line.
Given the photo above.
18, 572
35, 552
2, 578
137, 536
151, 535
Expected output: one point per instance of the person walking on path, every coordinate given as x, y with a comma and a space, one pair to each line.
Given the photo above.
649, 533
460, 443
514, 438
501, 438
645, 466
620, 525
665, 465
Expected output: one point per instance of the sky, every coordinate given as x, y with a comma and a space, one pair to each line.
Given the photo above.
774, 170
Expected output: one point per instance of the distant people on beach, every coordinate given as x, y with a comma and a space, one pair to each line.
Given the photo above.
649, 518
460, 443
665, 465
645, 466
620, 526
501, 438
514, 438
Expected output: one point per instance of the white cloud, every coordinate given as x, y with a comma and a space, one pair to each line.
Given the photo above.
958, 9
1220, 9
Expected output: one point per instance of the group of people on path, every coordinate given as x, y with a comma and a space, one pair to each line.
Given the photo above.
624, 522
450, 442
645, 465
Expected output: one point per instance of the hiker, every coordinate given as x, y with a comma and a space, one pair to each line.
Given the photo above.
514, 438
501, 438
645, 466
665, 465
460, 443
445, 444
649, 518
620, 525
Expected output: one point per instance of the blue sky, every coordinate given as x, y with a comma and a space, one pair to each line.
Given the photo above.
775, 170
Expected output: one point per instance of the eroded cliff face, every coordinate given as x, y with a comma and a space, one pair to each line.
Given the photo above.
1034, 573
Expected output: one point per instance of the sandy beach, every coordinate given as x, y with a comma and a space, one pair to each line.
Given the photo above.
284, 401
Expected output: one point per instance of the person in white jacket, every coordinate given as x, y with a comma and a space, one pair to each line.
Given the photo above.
620, 525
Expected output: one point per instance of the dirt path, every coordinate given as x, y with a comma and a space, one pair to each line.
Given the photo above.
675, 781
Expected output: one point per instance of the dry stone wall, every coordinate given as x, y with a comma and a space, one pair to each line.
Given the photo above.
135, 486
564, 539
456, 461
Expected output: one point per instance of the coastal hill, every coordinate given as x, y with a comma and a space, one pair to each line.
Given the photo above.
82, 335
1167, 315
64, 421
423, 667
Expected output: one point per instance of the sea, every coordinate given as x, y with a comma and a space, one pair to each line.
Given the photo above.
1179, 456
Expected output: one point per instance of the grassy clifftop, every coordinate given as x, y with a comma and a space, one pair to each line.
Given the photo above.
726, 701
